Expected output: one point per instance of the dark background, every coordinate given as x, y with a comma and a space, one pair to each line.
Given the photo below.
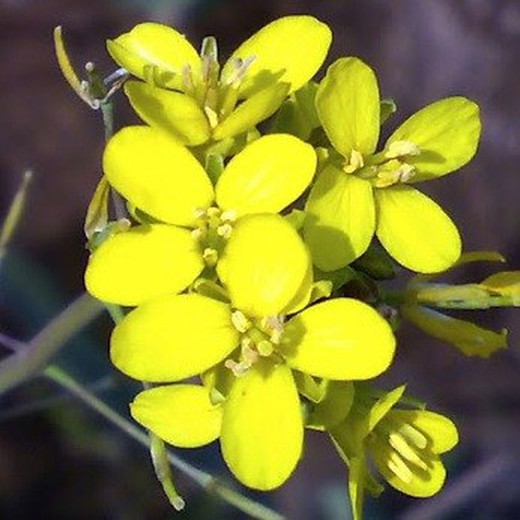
58, 460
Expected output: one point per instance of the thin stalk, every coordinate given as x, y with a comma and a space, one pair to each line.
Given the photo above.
37, 353
107, 111
205, 480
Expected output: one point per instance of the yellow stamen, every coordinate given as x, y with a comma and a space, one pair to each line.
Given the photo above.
402, 148
414, 436
399, 443
210, 256
240, 322
398, 467
355, 162
225, 230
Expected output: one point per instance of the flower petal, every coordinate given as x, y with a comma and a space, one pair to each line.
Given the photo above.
156, 53
175, 112
267, 175
172, 338
264, 266
341, 339
469, 338
144, 262
157, 174
340, 220
262, 427
407, 477
441, 432
290, 49
415, 230
252, 111
182, 415
348, 106
447, 133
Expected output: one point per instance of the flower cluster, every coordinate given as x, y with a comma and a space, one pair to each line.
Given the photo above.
254, 196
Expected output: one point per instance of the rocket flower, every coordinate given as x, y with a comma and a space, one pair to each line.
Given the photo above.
261, 336
361, 192
194, 100
193, 218
404, 444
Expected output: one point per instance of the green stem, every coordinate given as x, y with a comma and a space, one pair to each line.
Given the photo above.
30, 360
205, 480
107, 111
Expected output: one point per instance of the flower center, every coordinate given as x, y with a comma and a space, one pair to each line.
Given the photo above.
212, 229
259, 338
410, 450
386, 168
216, 95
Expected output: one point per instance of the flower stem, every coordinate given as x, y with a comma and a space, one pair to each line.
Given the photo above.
205, 480
33, 358
107, 111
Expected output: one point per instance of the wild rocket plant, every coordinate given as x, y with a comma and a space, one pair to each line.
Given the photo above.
248, 271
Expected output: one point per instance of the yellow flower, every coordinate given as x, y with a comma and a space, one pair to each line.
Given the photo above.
360, 192
189, 96
404, 444
267, 272
194, 219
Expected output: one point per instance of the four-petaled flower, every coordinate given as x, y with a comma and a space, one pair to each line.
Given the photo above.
266, 270
404, 444
187, 95
361, 192
161, 177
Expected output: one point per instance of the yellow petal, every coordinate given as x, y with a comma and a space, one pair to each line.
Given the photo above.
340, 219
440, 431
252, 111
267, 175
407, 477
147, 261
446, 132
348, 106
157, 174
290, 50
339, 339
262, 427
172, 338
469, 338
264, 265
155, 52
415, 230
181, 415
175, 112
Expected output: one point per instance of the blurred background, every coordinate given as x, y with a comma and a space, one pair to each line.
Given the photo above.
58, 460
